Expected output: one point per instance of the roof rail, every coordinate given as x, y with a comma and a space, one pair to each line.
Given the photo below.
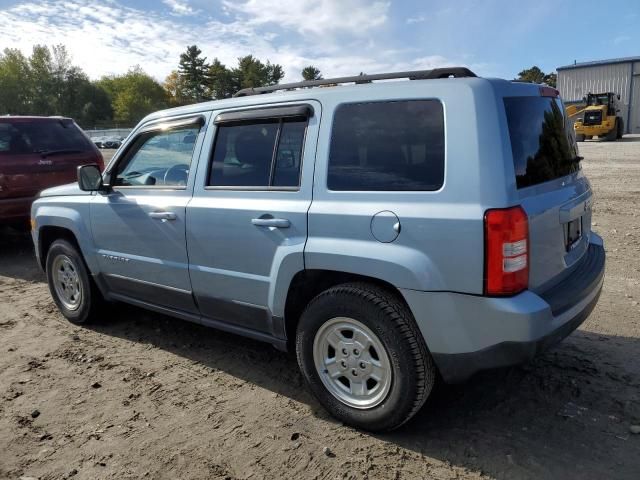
456, 72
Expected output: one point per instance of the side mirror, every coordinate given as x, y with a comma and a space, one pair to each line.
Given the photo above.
89, 178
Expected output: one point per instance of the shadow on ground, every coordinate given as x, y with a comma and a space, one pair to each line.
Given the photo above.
17, 259
567, 411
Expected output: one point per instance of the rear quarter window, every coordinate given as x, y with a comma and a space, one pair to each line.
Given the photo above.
541, 141
24, 136
387, 146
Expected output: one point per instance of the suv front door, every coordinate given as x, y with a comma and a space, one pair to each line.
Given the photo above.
247, 221
139, 226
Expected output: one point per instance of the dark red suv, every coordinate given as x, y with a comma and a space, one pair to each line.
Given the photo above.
38, 153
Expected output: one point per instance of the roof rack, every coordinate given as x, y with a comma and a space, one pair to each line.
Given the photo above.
456, 72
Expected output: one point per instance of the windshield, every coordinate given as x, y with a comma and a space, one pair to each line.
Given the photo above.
594, 100
541, 141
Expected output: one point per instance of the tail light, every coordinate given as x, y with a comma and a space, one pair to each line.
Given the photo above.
506, 256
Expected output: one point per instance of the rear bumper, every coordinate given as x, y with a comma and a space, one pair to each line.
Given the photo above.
594, 130
15, 209
467, 333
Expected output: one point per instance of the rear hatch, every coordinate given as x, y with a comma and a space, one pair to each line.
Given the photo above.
552, 189
38, 153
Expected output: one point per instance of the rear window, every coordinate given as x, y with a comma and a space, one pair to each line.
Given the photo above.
390, 146
541, 141
42, 136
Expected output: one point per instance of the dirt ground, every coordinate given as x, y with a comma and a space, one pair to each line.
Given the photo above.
143, 395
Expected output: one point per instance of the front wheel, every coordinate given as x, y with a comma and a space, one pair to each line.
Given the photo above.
69, 283
580, 137
363, 356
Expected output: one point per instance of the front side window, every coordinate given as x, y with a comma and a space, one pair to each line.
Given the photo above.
259, 153
387, 146
159, 158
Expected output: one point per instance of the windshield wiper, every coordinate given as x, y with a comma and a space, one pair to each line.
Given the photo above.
48, 153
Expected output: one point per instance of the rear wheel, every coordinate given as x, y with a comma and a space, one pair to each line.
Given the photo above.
361, 352
579, 137
69, 283
613, 133
588, 137
620, 128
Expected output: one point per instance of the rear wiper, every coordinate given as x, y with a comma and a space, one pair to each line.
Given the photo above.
47, 153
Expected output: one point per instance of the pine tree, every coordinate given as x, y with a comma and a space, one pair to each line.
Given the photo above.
194, 73
311, 73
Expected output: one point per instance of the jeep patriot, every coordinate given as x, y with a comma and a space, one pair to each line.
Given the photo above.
389, 232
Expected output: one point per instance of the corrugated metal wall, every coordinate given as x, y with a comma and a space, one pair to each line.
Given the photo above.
575, 83
634, 117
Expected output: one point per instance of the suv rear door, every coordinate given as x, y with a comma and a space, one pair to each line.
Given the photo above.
247, 221
550, 185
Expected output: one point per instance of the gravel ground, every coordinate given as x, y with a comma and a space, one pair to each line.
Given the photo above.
144, 395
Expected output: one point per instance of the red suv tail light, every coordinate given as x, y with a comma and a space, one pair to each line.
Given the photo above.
506, 256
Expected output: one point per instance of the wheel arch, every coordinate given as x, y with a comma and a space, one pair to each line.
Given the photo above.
63, 221
48, 234
306, 284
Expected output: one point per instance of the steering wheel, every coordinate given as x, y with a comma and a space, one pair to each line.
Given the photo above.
176, 175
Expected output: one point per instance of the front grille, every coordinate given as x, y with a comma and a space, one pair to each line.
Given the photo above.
592, 118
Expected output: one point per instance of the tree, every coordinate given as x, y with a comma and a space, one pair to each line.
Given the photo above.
221, 83
251, 72
43, 100
551, 79
535, 75
311, 73
133, 95
95, 105
14, 82
194, 73
174, 88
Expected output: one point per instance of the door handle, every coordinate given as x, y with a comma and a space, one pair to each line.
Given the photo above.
163, 215
271, 222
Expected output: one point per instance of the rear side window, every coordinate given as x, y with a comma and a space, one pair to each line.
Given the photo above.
24, 137
258, 153
387, 146
541, 142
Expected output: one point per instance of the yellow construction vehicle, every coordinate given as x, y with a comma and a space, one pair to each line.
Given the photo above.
600, 117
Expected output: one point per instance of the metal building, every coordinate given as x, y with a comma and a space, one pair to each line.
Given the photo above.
618, 75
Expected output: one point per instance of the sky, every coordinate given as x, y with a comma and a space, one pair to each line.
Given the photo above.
495, 38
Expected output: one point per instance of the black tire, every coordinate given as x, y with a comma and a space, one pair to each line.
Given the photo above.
588, 137
579, 137
90, 299
413, 372
613, 133
620, 128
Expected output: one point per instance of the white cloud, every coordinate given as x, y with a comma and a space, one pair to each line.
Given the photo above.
107, 37
319, 17
418, 19
179, 7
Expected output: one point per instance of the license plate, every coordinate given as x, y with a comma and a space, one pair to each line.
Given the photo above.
573, 233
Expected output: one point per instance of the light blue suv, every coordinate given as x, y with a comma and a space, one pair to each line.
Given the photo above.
389, 232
